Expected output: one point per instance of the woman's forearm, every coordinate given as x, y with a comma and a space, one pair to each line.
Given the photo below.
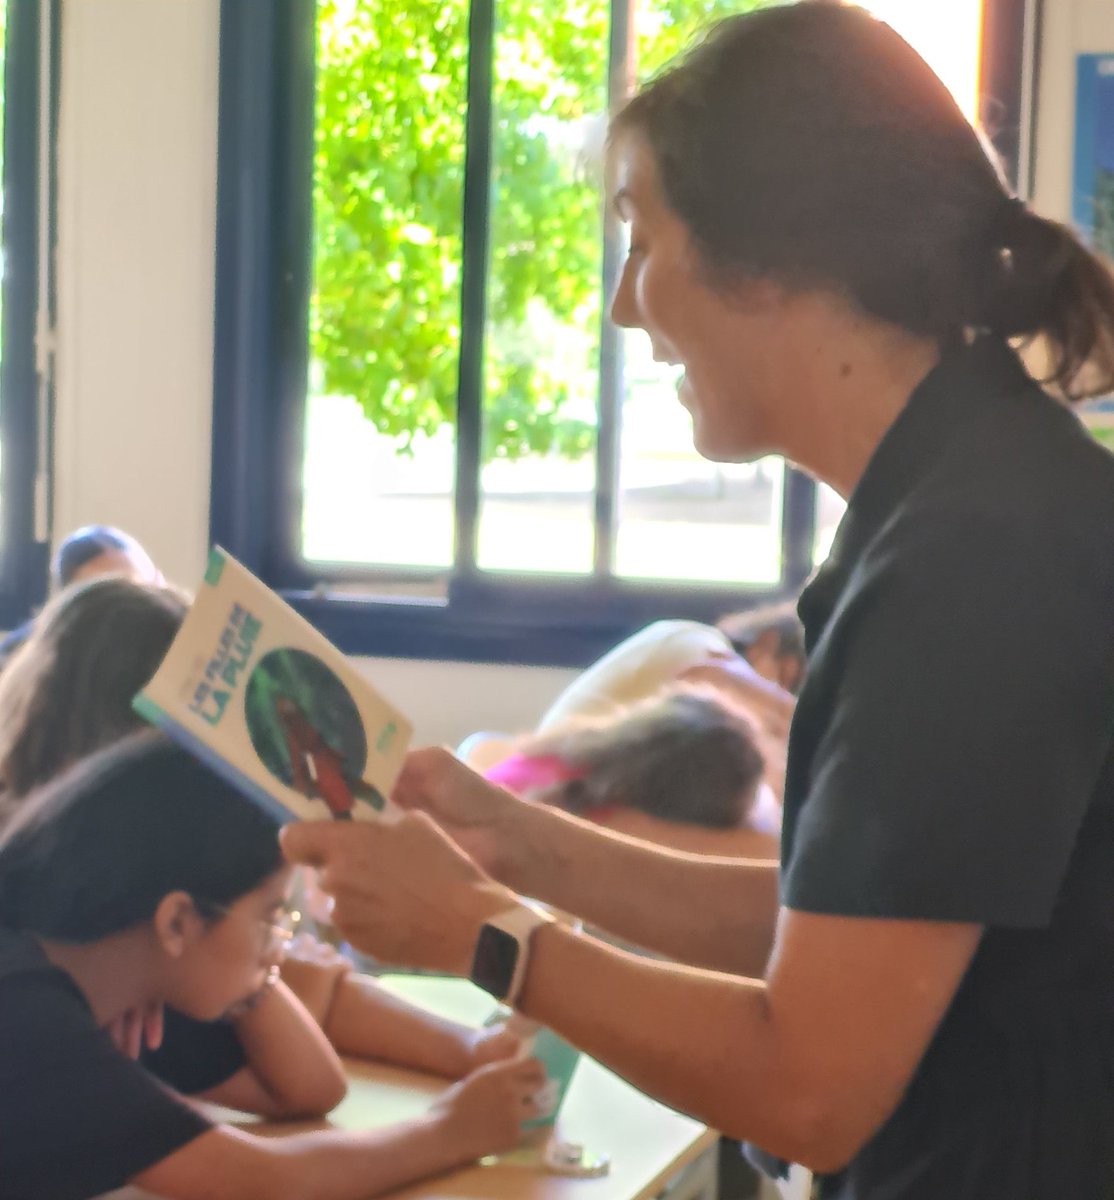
710, 912
717, 1057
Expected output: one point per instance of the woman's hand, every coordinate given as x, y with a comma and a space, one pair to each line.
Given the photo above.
483, 1114
481, 818
403, 892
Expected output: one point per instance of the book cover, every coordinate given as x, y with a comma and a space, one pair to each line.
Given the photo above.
253, 689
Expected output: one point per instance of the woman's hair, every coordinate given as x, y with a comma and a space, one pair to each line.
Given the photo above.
683, 755
94, 852
810, 144
68, 690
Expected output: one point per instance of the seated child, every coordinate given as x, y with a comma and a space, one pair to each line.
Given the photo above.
682, 768
772, 640
86, 552
138, 879
671, 652
68, 693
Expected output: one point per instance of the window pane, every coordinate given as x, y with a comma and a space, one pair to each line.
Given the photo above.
544, 288
680, 516
385, 314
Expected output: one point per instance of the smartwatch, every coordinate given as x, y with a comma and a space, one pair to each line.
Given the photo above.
503, 950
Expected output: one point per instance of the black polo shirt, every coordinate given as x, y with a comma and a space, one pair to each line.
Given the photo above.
951, 759
77, 1117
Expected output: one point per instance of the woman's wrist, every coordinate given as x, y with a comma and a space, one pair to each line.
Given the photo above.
520, 839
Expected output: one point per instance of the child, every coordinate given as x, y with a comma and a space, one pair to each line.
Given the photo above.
138, 879
67, 693
672, 769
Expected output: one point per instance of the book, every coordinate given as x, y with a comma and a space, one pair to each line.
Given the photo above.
250, 687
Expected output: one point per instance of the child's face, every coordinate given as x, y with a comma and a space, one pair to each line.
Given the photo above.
226, 960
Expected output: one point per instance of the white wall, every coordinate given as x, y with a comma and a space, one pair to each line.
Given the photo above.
137, 177
136, 220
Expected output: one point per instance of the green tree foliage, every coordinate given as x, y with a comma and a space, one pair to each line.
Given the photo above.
388, 187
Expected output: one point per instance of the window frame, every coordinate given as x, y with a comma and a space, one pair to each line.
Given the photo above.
26, 329
263, 285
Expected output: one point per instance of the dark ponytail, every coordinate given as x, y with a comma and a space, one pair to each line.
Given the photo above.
809, 143
1046, 284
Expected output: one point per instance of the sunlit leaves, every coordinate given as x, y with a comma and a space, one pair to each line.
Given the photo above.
388, 189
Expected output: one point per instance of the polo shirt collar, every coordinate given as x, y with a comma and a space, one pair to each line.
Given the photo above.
967, 377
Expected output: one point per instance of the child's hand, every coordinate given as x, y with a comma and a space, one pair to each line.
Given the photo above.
483, 1114
136, 1029
492, 1044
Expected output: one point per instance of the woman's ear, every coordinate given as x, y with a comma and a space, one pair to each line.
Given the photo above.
177, 923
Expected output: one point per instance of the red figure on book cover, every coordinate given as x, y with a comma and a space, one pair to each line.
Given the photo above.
316, 769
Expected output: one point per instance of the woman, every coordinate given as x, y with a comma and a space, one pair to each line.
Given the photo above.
920, 1004
67, 694
138, 879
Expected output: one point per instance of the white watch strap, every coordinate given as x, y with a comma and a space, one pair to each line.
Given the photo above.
520, 922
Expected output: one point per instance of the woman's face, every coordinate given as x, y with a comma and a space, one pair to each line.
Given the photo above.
226, 960
728, 344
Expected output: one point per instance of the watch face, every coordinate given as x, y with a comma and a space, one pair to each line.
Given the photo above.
494, 961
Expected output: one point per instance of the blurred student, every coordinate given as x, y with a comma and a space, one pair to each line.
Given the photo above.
682, 768
772, 640
84, 554
138, 879
67, 694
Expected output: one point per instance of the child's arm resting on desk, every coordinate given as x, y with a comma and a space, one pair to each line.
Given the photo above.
479, 1116
363, 1019
291, 1070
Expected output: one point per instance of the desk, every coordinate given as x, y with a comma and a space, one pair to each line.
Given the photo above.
654, 1151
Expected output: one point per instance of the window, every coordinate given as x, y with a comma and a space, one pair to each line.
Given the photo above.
426, 429
25, 157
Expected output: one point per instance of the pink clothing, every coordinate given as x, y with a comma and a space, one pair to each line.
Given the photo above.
523, 773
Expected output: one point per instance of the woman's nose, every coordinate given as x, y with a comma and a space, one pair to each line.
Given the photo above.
624, 312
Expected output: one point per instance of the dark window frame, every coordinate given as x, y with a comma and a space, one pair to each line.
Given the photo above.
26, 365
264, 269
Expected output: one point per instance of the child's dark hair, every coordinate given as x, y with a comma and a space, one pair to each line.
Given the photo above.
683, 756
93, 853
68, 690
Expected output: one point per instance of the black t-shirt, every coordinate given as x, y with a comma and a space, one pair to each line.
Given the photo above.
951, 759
194, 1055
77, 1117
